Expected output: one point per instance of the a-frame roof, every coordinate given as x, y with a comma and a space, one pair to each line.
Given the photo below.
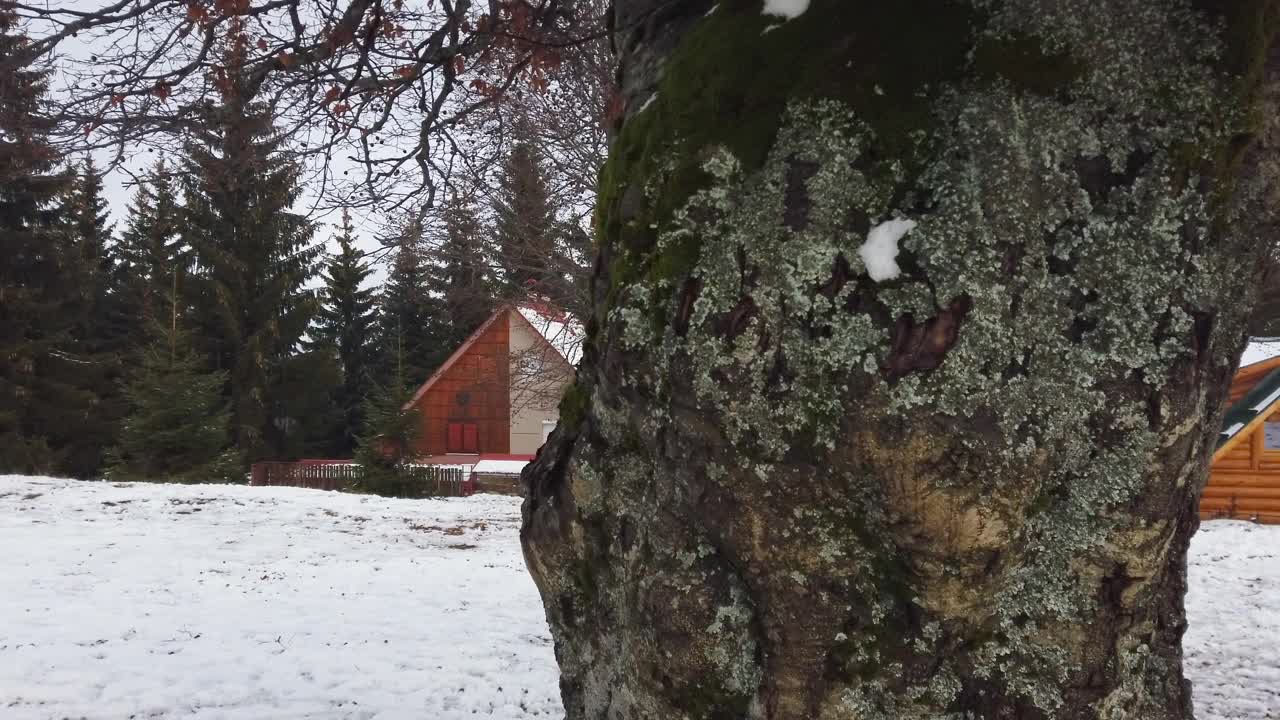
556, 344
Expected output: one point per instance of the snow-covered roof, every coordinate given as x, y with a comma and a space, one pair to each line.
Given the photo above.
499, 467
1260, 349
1261, 355
1256, 405
560, 330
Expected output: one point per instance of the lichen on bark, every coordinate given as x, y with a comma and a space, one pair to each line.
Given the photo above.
787, 490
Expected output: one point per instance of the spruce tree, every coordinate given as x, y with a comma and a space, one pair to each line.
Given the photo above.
525, 224
307, 388
39, 303
148, 266
540, 255
177, 431
409, 317
85, 210
344, 327
100, 337
386, 449
90, 218
252, 260
461, 274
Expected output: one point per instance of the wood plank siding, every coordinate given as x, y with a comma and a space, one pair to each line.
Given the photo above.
498, 390
470, 397
1244, 479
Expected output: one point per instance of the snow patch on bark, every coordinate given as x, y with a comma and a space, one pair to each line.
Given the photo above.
789, 9
880, 252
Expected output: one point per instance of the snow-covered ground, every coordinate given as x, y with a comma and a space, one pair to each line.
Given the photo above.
1232, 647
171, 601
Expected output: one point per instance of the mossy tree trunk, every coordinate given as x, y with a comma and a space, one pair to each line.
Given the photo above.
784, 489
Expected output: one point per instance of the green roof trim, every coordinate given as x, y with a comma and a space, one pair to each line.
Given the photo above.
1262, 397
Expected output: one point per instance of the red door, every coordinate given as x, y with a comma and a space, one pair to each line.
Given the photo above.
462, 437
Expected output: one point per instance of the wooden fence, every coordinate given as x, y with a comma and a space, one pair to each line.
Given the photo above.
328, 475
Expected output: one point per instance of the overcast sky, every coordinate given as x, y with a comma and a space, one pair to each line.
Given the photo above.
94, 49
119, 180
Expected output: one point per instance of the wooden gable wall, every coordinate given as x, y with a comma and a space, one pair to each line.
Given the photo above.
472, 392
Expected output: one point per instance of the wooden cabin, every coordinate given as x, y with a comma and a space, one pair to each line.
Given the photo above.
498, 395
1244, 479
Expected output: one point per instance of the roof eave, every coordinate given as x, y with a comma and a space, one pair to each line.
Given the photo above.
1246, 414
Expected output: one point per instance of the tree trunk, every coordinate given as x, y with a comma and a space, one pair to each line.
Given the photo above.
802, 476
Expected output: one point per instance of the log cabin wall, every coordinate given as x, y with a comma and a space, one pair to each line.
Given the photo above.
1244, 479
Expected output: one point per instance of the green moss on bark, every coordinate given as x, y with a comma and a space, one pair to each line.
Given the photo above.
732, 78
1022, 60
573, 406
1250, 29
734, 75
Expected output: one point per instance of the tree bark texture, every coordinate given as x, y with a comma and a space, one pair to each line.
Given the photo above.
784, 489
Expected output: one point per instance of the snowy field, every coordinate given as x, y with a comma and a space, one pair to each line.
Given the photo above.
207, 601
1233, 606
171, 601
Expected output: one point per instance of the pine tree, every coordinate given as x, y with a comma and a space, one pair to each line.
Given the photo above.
409, 318
461, 273
100, 337
525, 224
307, 388
177, 431
148, 265
252, 260
90, 218
386, 449
39, 300
539, 254
344, 326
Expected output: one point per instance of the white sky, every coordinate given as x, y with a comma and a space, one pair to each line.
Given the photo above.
118, 192
118, 181
123, 172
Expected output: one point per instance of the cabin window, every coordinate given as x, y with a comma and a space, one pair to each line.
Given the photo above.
462, 437
1271, 436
